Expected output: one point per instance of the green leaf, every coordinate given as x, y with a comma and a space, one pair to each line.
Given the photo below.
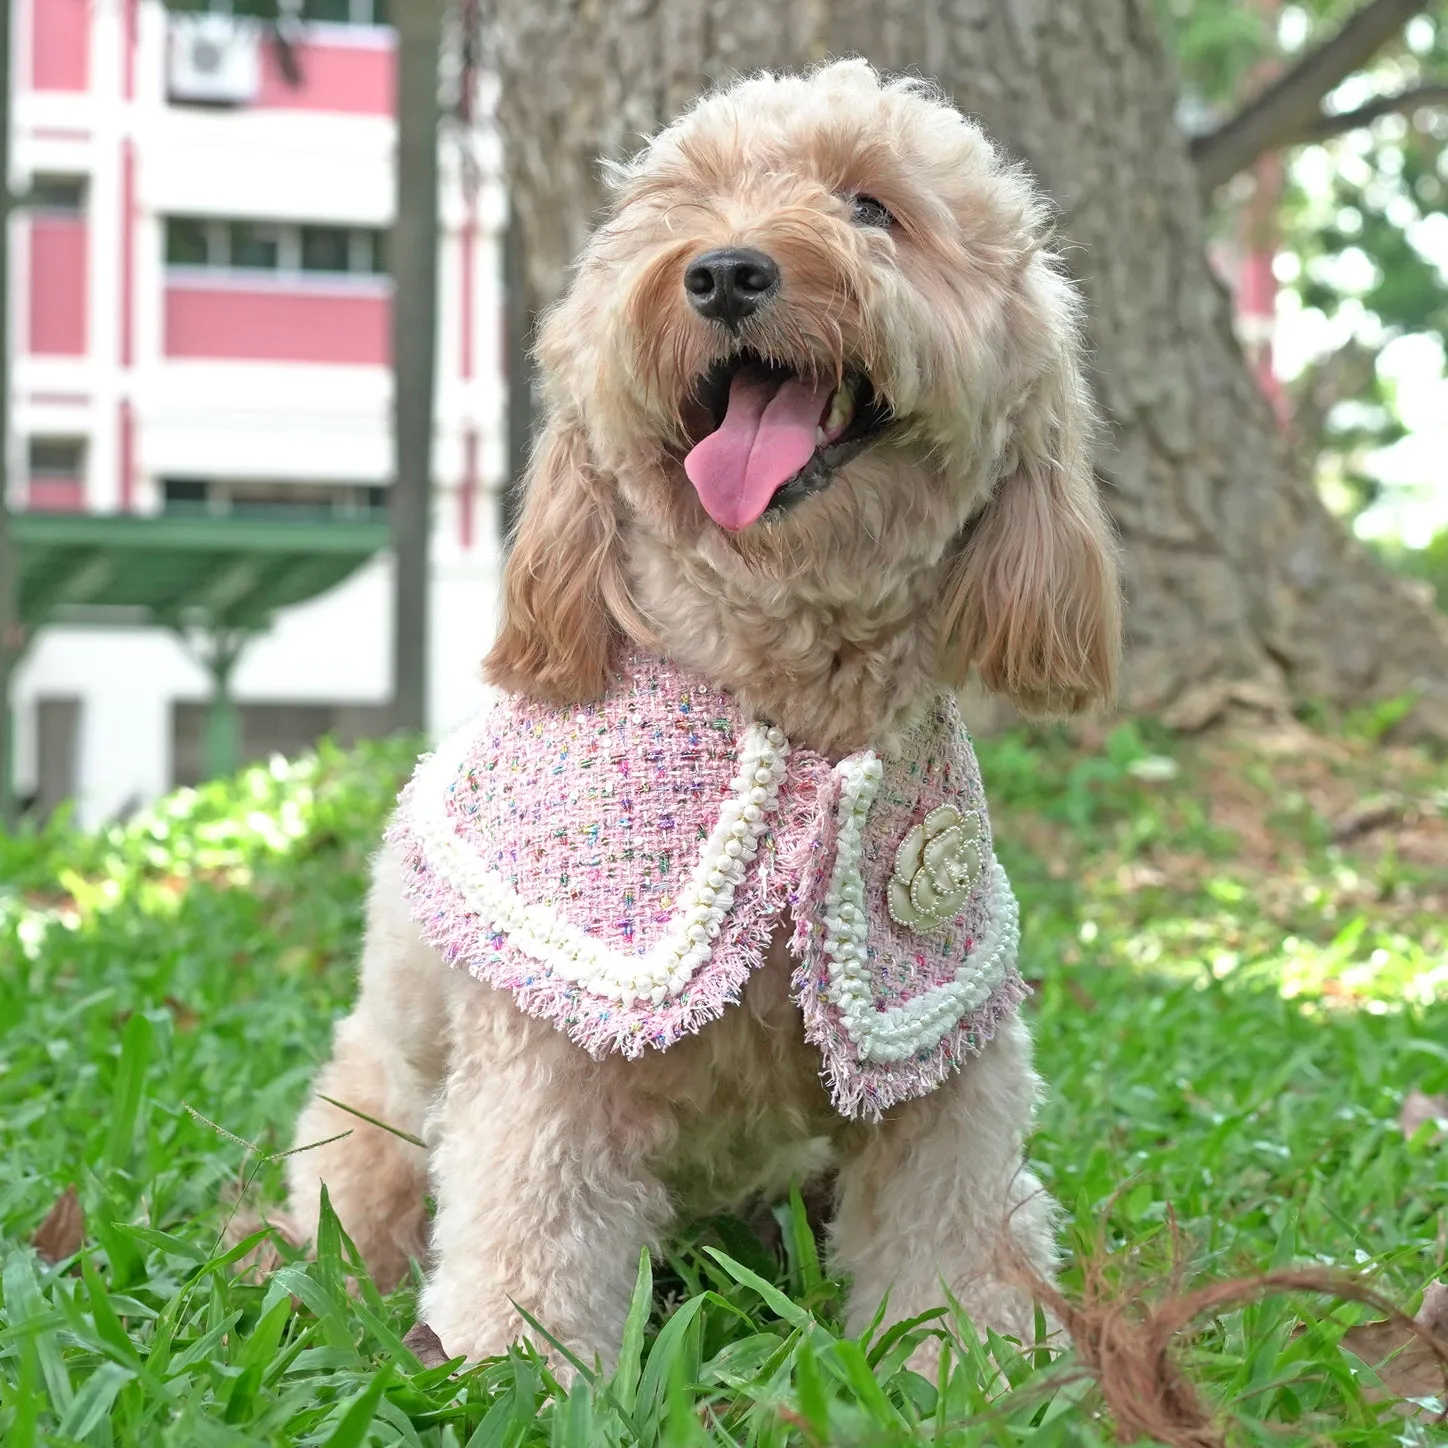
93, 1401
849, 1359
804, 1252
352, 1428
166, 1242
128, 1089
29, 1319
631, 1352
677, 1342
810, 1393
777, 1301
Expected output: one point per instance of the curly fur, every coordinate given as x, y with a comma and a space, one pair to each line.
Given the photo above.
971, 534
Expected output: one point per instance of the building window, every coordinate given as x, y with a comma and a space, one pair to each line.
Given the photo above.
326, 249
331, 12
55, 479
255, 246
56, 195
293, 501
346, 12
272, 246
257, 9
189, 243
56, 457
184, 495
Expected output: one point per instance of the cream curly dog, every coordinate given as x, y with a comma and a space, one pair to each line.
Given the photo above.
816, 443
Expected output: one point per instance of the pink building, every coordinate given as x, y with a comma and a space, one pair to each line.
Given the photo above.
200, 325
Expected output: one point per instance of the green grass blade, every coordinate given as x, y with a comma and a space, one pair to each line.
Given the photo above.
631, 1352
804, 1251
93, 1401
28, 1317
167, 1242
677, 1340
128, 1089
777, 1301
810, 1392
354, 1423
848, 1358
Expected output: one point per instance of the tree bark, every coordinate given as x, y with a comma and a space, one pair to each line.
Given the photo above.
412, 260
1240, 584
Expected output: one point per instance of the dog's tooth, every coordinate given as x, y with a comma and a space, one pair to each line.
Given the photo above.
820, 438
842, 408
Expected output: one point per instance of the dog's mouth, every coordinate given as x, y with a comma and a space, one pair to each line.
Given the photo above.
765, 436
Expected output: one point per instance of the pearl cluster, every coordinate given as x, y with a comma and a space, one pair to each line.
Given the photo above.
542, 935
897, 1033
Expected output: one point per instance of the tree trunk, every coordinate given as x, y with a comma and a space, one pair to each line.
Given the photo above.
412, 260
1240, 584
9, 588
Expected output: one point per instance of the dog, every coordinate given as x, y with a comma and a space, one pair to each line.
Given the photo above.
815, 443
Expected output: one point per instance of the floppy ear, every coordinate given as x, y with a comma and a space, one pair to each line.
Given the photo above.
564, 591
1033, 600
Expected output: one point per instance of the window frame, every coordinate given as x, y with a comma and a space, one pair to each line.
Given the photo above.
38, 204
281, 497
52, 474
364, 245
360, 13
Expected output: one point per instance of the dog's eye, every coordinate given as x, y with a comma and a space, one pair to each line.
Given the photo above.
869, 212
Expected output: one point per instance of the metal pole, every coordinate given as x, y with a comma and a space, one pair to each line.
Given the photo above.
412, 258
9, 586
221, 733
519, 322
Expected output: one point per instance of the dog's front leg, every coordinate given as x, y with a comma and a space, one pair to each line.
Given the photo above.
541, 1173
388, 1057
936, 1197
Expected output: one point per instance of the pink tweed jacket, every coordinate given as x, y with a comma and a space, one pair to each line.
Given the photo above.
621, 868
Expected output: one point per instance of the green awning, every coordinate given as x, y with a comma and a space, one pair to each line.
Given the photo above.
216, 573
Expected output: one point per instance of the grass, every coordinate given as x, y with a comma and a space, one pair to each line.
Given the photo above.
1237, 980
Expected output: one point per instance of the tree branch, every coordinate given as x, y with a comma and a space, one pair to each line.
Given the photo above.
1286, 112
1326, 126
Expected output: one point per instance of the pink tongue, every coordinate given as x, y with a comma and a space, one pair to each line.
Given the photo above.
767, 435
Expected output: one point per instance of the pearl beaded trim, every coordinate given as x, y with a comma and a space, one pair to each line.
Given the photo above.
542, 935
925, 1020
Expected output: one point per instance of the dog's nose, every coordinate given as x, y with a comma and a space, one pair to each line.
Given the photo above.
730, 284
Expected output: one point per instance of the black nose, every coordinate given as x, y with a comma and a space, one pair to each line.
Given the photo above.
732, 284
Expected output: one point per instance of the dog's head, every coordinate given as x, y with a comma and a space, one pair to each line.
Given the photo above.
818, 341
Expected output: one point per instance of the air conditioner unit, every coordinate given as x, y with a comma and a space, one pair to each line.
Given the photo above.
213, 58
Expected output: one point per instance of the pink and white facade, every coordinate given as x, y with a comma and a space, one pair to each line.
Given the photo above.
200, 322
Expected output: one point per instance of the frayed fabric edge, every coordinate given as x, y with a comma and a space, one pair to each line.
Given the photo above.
794, 872
462, 939
863, 1092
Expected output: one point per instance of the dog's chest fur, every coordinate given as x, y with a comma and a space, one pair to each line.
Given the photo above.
747, 1101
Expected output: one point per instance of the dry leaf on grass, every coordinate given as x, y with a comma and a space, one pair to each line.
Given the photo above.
1419, 1108
62, 1233
186, 1018
1403, 1357
425, 1345
1364, 818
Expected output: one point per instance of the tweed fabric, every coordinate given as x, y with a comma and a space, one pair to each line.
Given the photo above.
553, 853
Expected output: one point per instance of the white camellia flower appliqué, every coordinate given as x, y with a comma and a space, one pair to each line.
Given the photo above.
936, 866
